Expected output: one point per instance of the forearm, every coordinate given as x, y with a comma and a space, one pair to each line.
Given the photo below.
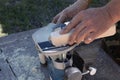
113, 8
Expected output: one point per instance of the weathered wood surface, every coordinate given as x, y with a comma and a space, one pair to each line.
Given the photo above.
22, 56
5, 71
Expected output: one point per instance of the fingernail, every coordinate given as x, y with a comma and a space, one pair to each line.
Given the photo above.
89, 39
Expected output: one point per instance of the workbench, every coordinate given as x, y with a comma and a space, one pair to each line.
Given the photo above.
19, 60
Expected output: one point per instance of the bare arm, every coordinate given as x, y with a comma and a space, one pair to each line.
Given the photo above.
113, 8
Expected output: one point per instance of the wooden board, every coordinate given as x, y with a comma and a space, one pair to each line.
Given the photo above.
5, 71
23, 57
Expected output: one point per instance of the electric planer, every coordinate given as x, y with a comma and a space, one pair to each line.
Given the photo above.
54, 50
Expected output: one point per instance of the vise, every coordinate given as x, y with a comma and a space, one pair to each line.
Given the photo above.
60, 59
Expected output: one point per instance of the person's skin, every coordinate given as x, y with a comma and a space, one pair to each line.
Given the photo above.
71, 11
90, 23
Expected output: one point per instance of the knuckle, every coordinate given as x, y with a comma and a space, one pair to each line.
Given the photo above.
90, 23
64, 12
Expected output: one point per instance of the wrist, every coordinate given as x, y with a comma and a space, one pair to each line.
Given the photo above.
113, 9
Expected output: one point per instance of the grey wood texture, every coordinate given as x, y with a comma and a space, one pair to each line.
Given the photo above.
5, 71
22, 56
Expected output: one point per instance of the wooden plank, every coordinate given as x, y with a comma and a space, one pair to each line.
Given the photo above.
23, 57
5, 71
26, 67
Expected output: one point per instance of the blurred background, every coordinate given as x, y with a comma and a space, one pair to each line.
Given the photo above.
21, 15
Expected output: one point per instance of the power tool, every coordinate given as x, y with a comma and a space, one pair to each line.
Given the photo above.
56, 53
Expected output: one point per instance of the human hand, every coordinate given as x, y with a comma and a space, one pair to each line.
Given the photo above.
70, 12
88, 24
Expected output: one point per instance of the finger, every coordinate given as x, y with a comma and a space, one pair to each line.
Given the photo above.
91, 37
55, 18
82, 35
61, 19
73, 23
74, 35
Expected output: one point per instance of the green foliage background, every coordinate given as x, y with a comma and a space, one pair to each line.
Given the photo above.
21, 15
